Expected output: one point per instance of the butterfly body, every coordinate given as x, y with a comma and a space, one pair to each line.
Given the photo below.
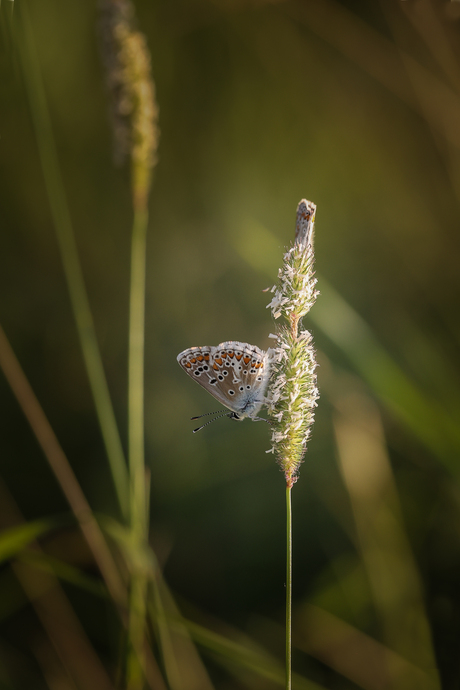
236, 374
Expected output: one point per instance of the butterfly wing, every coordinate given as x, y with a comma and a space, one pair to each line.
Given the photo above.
235, 373
197, 363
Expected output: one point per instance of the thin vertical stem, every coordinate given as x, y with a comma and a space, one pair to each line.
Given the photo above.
138, 496
136, 372
288, 587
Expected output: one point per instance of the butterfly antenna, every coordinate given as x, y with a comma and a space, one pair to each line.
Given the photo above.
206, 414
225, 414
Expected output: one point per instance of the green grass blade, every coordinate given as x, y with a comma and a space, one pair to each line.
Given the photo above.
69, 254
17, 538
236, 654
425, 418
63, 571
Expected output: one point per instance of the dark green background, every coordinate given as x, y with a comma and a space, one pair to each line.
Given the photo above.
261, 104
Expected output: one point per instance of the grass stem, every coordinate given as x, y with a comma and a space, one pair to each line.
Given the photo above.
288, 588
138, 495
136, 372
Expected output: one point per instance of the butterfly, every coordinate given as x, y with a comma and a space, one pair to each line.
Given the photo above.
235, 373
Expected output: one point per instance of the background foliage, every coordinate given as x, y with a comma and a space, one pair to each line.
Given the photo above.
356, 106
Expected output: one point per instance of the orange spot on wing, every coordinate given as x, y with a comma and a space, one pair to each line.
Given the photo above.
238, 357
188, 365
224, 355
231, 354
193, 360
214, 366
218, 360
246, 360
200, 358
206, 357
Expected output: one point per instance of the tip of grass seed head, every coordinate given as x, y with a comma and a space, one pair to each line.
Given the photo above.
305, 219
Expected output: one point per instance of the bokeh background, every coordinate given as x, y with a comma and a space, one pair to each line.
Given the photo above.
356, 106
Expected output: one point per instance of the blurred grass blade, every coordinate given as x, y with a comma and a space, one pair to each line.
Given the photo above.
69, 254
130, 84
376, 55
426, 418
353, 653
63, 628
182, 663
79, 661
393, 576
63, 571
427, 22
15, 539
235, 655
61, 468
128, 75
138, 507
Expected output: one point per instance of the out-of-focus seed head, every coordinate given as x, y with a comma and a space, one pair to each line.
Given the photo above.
134, 109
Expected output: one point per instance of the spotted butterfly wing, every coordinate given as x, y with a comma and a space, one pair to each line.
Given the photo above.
235, 373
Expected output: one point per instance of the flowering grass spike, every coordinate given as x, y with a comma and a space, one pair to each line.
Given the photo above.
292, 392
134, 109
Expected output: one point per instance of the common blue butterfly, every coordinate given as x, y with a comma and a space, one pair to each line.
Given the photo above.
236, 374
